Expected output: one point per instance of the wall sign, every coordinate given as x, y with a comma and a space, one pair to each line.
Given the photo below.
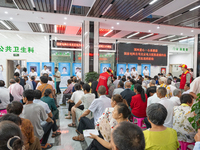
16, 49
138, 53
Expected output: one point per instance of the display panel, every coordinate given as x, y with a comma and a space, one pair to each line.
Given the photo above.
50, 67
104, 67
146, 69
131, 66
121, 69
64, 69
35, 65
76, 68
137, 53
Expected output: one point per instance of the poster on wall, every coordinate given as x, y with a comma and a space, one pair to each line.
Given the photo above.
35, 65
64, 69
121, 69
163, 71
50, 67
145, 69
76, 68
104, 67
132, 66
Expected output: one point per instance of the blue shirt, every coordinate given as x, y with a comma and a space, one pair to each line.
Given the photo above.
197, 146
34, 85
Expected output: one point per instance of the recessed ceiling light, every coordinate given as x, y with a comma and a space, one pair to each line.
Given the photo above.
149, 30
6, 12
192, 30
112, 27
64, 22
117, 23
181, 33
11, 18
65, 18
158, 27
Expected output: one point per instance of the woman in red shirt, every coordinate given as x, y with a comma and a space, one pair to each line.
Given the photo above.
139, 102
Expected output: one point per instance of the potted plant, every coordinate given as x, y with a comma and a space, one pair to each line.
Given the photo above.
91, 75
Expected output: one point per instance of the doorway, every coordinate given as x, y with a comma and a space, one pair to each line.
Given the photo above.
11, 66
175, 69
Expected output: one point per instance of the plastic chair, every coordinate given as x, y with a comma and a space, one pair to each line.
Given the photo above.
3, 112
140, 122
185, 144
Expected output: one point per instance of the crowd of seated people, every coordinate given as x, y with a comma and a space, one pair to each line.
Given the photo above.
164, 107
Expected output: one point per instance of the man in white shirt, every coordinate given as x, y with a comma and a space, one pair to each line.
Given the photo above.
194, 87
127, 73
186, 89
97, 107
145, 71
134, 73
33, 73
169, 105
154, 98
176, 98
18, 67
45, 70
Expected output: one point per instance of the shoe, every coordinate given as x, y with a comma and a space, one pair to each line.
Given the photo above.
62, 104
46, 146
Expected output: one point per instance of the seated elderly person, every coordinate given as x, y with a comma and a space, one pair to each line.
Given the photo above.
162, 82
119, 89
159, 137
170, 88
187, 88
176, 98
152, 85
184, 129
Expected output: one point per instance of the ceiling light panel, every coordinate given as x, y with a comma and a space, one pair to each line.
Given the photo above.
7, 26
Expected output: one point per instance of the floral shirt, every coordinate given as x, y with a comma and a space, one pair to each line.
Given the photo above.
184, 129
108, 116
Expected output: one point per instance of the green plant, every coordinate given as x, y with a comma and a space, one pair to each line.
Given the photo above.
91, 75
195, 121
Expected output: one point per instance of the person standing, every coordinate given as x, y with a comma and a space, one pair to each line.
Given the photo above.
44, 70
134, 73
24, 73
57, 76
16, 90
185, 77
18, 67
1, 70
145, 71
103, 80
33, 73
127, 73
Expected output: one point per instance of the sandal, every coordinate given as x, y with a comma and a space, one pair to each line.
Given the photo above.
79, 138
68, 117
46, 146
78, 132
72, 125
55, 134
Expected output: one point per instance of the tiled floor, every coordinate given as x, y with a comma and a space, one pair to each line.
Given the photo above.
64, 141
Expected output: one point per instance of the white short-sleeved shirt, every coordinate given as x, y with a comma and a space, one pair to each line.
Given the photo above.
78, 74
194, 86
77, 95
134, 73
98, 106
43, 104
175, 100
45, 71
145, 72
17, 70
33, 74
127, 74
153, 99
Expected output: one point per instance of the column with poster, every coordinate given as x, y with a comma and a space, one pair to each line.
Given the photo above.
64, 69
33, 69
145, 69
133, 70
48, 67
76, 70
121, 69
104, 67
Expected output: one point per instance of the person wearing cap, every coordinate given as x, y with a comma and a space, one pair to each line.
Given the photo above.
45, 70
185, 77
105, 80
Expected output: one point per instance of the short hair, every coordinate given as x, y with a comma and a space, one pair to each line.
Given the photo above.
115, 77
8, 130
46, 75
140, 76
12, 81
33, 78
162, 91
176, 92
26, 77
90, 80
157, 113
161, 74
155, 77
50, 79
119, 77
29, 94
129, 77
186, 98
47, 92
121, 84
188, 84
139, 82
128, 84
11, 117
38, 94
56, 67
45, 66
16, 74
169, 81
86, 87
123, 79
32, 69
69, 81
102, 90
24, 69
131, 139
17, 80
127, 68
15, 107
153, 82
17, 65
133, 81
124, 110
163, 79
2, 83
44, 79
152, 90
191, 69
77, 86
82, 83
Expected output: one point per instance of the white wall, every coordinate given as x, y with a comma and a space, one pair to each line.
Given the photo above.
181, 59
40, 44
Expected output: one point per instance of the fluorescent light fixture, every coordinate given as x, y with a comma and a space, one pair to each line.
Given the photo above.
55, 38
112, 27
149, 30
65, 18
19, 36
158, 27
55, 28
146, 36
45, 38
132, 35
33, 4
11, 18
137, 13
106, 9
187, 40
195, 8
172, 18
152, 2
6, 12
167, 37
5, 25
41, 27
15, 4
55, 5
86, 33
108, 33
178, 38
64, 22
181, 33
3, 35
117, 23
192, 30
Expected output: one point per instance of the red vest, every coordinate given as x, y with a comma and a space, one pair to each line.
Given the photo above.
183, 79
103, 78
